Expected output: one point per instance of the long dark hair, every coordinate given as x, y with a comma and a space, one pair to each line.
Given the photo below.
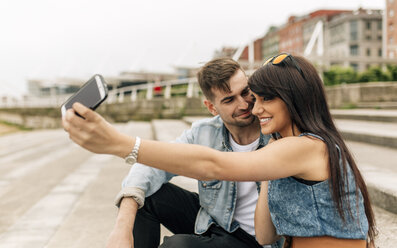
306, 102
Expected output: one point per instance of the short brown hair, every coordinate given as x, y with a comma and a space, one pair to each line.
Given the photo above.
216, 74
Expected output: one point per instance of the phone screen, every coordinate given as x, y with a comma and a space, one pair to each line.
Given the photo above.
90, 95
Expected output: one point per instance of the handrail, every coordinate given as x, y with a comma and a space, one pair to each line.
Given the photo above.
114, 95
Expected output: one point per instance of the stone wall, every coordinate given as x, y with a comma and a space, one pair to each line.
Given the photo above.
340, 96
157, 108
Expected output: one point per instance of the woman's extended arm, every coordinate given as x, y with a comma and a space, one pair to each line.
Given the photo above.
282, 158
265, 231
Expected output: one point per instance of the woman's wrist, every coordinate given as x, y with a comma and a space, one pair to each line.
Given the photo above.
123, 145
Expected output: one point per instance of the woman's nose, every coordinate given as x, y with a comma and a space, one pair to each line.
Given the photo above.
257, 109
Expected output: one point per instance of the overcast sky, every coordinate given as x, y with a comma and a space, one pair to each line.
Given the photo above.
77, 38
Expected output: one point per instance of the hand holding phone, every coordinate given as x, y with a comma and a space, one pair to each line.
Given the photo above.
91, 94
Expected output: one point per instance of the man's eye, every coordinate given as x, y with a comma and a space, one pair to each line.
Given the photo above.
244, 93
253, 99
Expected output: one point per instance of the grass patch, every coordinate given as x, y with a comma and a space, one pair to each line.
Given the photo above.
9, 125
349, 106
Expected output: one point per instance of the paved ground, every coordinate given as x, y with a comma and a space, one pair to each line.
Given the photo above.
55, 194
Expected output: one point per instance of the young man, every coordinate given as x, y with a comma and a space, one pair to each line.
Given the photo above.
222, 214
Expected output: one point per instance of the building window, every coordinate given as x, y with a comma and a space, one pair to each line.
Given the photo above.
368, 37
354, 50
354, 66
368, 25
391, 13
368, 52
380, 52
380, 25
379, 37
353, 30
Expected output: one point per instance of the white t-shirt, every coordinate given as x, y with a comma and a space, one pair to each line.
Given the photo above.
247, 193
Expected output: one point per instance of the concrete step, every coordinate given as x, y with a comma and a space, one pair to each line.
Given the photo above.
387, 226
378, 115
377, 105
190, 119
61, 197
378, 166
377, 133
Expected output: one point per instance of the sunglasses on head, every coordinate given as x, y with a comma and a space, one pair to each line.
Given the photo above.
278, 59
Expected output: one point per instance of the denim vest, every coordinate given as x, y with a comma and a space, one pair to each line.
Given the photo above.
217, 198
301, 210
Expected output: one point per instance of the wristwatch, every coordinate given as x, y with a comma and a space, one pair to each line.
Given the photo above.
133, 156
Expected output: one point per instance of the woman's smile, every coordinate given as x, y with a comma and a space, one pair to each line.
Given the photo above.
264, 120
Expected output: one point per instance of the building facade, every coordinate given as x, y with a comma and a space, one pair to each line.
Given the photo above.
355, 40
291, 35
332, 38
270, 43
390, 26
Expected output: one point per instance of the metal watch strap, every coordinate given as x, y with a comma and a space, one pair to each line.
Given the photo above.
132, 158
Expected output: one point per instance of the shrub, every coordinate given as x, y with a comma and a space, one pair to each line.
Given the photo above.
338, 75
374, 74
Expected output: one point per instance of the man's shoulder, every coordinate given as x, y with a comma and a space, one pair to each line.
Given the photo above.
207, 132
211, 122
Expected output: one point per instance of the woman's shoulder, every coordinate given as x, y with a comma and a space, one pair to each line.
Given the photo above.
303, 143
308, 153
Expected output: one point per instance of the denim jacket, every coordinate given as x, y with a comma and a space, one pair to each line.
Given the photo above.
302, 210
217, 198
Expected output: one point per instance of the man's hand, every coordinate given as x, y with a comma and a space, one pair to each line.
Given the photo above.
121, 236
94, 133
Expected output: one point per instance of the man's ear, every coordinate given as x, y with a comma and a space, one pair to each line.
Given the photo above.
210, 106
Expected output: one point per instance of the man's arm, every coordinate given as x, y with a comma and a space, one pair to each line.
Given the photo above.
121, 236
141, 181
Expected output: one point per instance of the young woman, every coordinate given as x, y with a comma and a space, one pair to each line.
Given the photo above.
315, 197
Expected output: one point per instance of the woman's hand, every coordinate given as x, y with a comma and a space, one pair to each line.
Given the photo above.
265, 231
94, 133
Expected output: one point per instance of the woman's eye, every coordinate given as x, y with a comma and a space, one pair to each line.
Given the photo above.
267, 98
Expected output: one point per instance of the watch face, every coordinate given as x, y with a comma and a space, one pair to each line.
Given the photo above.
130, 160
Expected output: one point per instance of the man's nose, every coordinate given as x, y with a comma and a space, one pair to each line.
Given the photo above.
243, 103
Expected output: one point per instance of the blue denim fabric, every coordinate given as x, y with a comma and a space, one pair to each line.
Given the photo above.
217, 198
301, 210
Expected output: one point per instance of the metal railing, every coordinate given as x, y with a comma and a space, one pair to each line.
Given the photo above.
187, 87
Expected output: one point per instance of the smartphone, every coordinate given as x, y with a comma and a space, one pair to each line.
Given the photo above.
91, 94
